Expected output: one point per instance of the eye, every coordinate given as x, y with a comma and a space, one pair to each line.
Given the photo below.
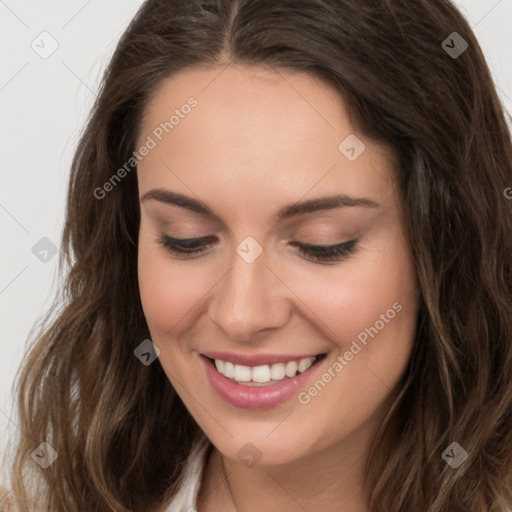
185, 246
327, 252
190, 246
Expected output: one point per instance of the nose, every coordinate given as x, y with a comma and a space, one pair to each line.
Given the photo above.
249, 300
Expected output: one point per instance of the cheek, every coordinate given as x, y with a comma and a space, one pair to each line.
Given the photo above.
369, 314
169, 291
342, 303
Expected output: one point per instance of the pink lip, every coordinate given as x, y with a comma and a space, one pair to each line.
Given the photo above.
256, 397
256, 359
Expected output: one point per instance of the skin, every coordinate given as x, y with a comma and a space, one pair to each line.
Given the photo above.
256, 141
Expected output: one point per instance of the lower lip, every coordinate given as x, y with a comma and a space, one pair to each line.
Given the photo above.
256, 397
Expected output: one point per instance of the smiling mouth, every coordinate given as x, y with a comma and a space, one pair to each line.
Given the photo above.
264, 375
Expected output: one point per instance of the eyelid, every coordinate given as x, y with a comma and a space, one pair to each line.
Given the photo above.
208, 239
319, 253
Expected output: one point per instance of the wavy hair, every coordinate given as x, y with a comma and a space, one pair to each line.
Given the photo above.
120, 430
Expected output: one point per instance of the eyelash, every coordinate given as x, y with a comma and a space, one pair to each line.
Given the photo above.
321, 253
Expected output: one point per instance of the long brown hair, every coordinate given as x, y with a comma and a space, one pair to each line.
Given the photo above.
120, 430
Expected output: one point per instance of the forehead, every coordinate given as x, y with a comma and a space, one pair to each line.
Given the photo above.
255, 130
275, 106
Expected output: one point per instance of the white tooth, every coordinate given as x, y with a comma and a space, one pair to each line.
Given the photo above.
264, 373
277, 371
242, 373
261, 373
291, 369
229, 370
302, 365
305, 363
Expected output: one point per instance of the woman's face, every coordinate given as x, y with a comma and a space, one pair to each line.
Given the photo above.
247, 161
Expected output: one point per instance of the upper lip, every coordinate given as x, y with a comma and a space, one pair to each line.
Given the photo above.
257, 359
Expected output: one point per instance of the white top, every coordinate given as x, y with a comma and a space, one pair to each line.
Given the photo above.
186, 498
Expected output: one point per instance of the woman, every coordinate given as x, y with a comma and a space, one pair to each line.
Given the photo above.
289, 278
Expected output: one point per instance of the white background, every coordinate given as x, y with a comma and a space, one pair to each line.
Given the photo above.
44, 105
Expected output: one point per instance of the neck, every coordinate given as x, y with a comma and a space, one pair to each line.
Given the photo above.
329, 480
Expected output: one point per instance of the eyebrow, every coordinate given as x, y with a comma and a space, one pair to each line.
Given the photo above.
301, 208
